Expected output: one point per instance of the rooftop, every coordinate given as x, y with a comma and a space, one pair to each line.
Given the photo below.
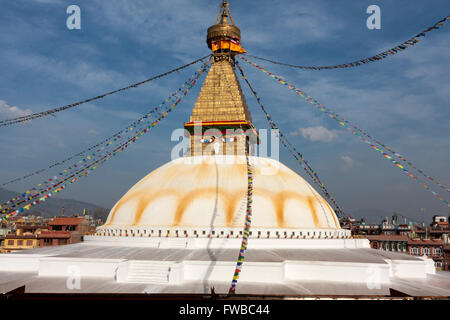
426, 241
386, 237
55, 234
63, 221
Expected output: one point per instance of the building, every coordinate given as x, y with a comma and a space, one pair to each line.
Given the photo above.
433, 248
4, 230
68, 229
397, 243
58, 231
446, 260
366, 229
181, 228
26, 236
415, 240
440, 222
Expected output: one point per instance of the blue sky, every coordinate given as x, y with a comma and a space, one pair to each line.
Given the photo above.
403, 100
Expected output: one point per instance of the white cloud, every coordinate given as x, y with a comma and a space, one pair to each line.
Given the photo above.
317, 133
7, 111
348, 163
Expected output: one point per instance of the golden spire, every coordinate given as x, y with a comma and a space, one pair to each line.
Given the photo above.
221, 103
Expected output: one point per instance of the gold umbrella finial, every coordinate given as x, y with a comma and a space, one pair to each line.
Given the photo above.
223, 29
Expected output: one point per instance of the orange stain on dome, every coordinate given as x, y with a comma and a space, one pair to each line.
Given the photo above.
146, 199
279, 201
313, 211
229, 199
188, 198
233, 198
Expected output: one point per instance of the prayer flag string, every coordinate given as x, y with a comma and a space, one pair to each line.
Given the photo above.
359, 132
52, 111
407, 44
74, 176
248, 223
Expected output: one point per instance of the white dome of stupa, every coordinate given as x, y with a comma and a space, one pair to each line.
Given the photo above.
203, 192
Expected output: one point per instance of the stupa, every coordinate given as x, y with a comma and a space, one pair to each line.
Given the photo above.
179, 229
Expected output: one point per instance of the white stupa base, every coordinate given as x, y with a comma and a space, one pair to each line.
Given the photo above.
194, 265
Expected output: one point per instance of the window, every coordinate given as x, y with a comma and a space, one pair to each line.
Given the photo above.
10, 242
20, 242
426, 250
29, 243
415, 250
437, 251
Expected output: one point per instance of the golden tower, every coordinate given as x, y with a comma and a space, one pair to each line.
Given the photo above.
221, 122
